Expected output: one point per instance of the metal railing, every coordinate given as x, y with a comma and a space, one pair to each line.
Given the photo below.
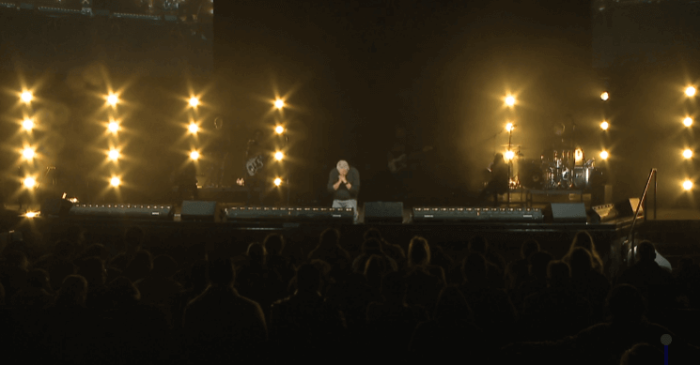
643, 200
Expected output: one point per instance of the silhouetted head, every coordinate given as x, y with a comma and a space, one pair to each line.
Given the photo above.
198, 274
528, 247
165, 266
371, 246
141, 265
498, 158
256, 253
478, 244
538, 263
221, 272
73, 291
16, 258
645, 251
558, 273
583, 239
418, 252
626, 304
375, 267
308, 278
94, 271
581, 261
97, 249
274, 244
474, 268
394, 287
642, 354
373, 233
329, 237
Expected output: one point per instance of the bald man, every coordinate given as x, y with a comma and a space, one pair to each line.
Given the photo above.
344, 184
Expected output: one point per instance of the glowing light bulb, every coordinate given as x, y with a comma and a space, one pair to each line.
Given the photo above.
194, 101
112, 99
279, 156
604, 126
687, 185
28, 153
604, 155
278, 181
279, 129
510, 100
509, 155
113, 154
28, 124
194, 155
509, 127
688, 121
690, 91
113, 126
29, 182
115, 181
604, 96
687, 153
279, 103
193, 128
31, 214
27, 96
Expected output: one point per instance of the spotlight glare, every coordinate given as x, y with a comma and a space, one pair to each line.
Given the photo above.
115, 181
690, 91
509, 127
113, 126
31, 214
112, 99
29, 182
509, 155
688, 121
604, 155
279, 155
113, 154
193, 128
28, 153
687, 153
279, 129
604, 126
194, 155
510, 100
278, 181
27, 96
194, 101
279, 103
687, 185
28, 124
604, 96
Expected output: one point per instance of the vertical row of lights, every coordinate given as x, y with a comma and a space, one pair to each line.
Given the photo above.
193, 127
279, 129
113, 154
604, 126
687, 152
28, 150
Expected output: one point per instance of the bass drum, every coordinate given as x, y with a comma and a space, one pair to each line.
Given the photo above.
582, 178
530, 174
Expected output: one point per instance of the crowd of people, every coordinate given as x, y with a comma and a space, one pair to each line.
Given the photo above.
79, 304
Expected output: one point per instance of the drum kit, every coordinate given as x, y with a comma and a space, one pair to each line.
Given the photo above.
559, 169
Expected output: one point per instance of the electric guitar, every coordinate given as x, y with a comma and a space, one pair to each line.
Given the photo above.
254, 165
400, 163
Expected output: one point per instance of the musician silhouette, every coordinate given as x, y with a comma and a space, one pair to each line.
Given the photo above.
500, 179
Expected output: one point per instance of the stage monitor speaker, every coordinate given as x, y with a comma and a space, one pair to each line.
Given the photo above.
569, 212
193, 210
295, 214
55, 207
142, 211
477, 214
384, 212
627, 207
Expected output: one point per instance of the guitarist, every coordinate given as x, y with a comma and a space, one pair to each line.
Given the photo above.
402, 162
256, 159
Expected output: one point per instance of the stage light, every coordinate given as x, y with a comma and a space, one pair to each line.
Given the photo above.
687, 153
28, 124
278, 181
28, 153
604, 96
279, 156
194, 155
115, 181
279, 129
510, 100
112, 99
113, 154
29, 182
193, 128
604, 155
687, 185
31, 214
509, 127
688, 121
194, 101
113, 126
27, 96
279, 103
604, 126
690, 91
509, 155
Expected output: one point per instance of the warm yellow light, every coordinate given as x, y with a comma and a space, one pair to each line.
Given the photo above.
29, 182
510, 100
113, 154
115, 181
194, 101
604, 96
604, 155
604, 126
509, 127
31, 214
509, 155
113, 126
690, 91
28, 124
279, 129
279, 103
28, 153
687, 184
687, 153
194, 155
279, 156
27, 96
112, 99
278, 181
193, 128
688, 121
